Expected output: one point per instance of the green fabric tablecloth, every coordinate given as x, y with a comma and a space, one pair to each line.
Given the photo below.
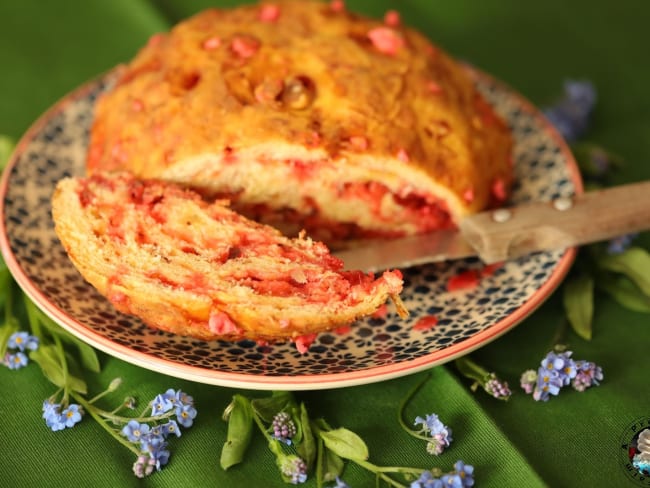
49, 48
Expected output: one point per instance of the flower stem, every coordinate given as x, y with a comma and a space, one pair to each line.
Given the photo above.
263, 429
390, 481
94, 413
472, 370
146, 407
382, 470
387, 469
117, 409
111, 388
98, 396
404, 403
123, 420
64, 368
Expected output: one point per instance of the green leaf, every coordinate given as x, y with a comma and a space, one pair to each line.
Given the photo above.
74, 379
6, 148
294, 411
307, 447
331, 466
5, 282
266, 408
625, 292
37, 318
328, 464
240, 427
319, 425
47, 357
345, 443
8, 328
578, 296
33, 317
88, 357
633, 263
50, 325
77, 384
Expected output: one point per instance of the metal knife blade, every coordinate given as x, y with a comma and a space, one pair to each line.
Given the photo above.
409, 251
508, 233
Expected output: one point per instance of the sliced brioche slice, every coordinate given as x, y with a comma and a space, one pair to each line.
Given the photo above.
195, 268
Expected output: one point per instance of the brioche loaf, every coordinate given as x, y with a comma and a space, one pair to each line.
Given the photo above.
307, 116
197, 268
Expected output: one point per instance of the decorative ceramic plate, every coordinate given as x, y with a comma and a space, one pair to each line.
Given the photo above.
442, 326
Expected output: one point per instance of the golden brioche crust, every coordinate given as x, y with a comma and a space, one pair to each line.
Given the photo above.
195, 268
229, 99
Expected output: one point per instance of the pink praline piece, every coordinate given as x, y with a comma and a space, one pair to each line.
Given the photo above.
392, 18
269, 12
244, 46
499, 189
386, 40
211, 43
304, 341
402, 155
220, 323
337, 6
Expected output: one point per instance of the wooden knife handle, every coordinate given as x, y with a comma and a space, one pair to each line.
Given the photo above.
598, 215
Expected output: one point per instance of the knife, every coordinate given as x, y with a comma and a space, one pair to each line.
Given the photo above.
510, 232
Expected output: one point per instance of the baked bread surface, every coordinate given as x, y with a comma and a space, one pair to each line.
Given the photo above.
307, 116
196, 268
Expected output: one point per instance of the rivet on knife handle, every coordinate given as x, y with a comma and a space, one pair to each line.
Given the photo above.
565, 222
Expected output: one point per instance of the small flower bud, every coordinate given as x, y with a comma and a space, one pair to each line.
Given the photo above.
130, 402
293, 469
283, 427
528, 380
115, 384
138, 466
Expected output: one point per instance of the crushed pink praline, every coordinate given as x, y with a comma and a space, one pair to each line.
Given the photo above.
359, 143
269, 12
344, 329
381, 312
244, 46
499, 189
220, 323
425, 323
337, 6
392, 18
434, 87
155, 39
118, 152
137, 105
402, 155
386, 40
211, 43
303, 342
